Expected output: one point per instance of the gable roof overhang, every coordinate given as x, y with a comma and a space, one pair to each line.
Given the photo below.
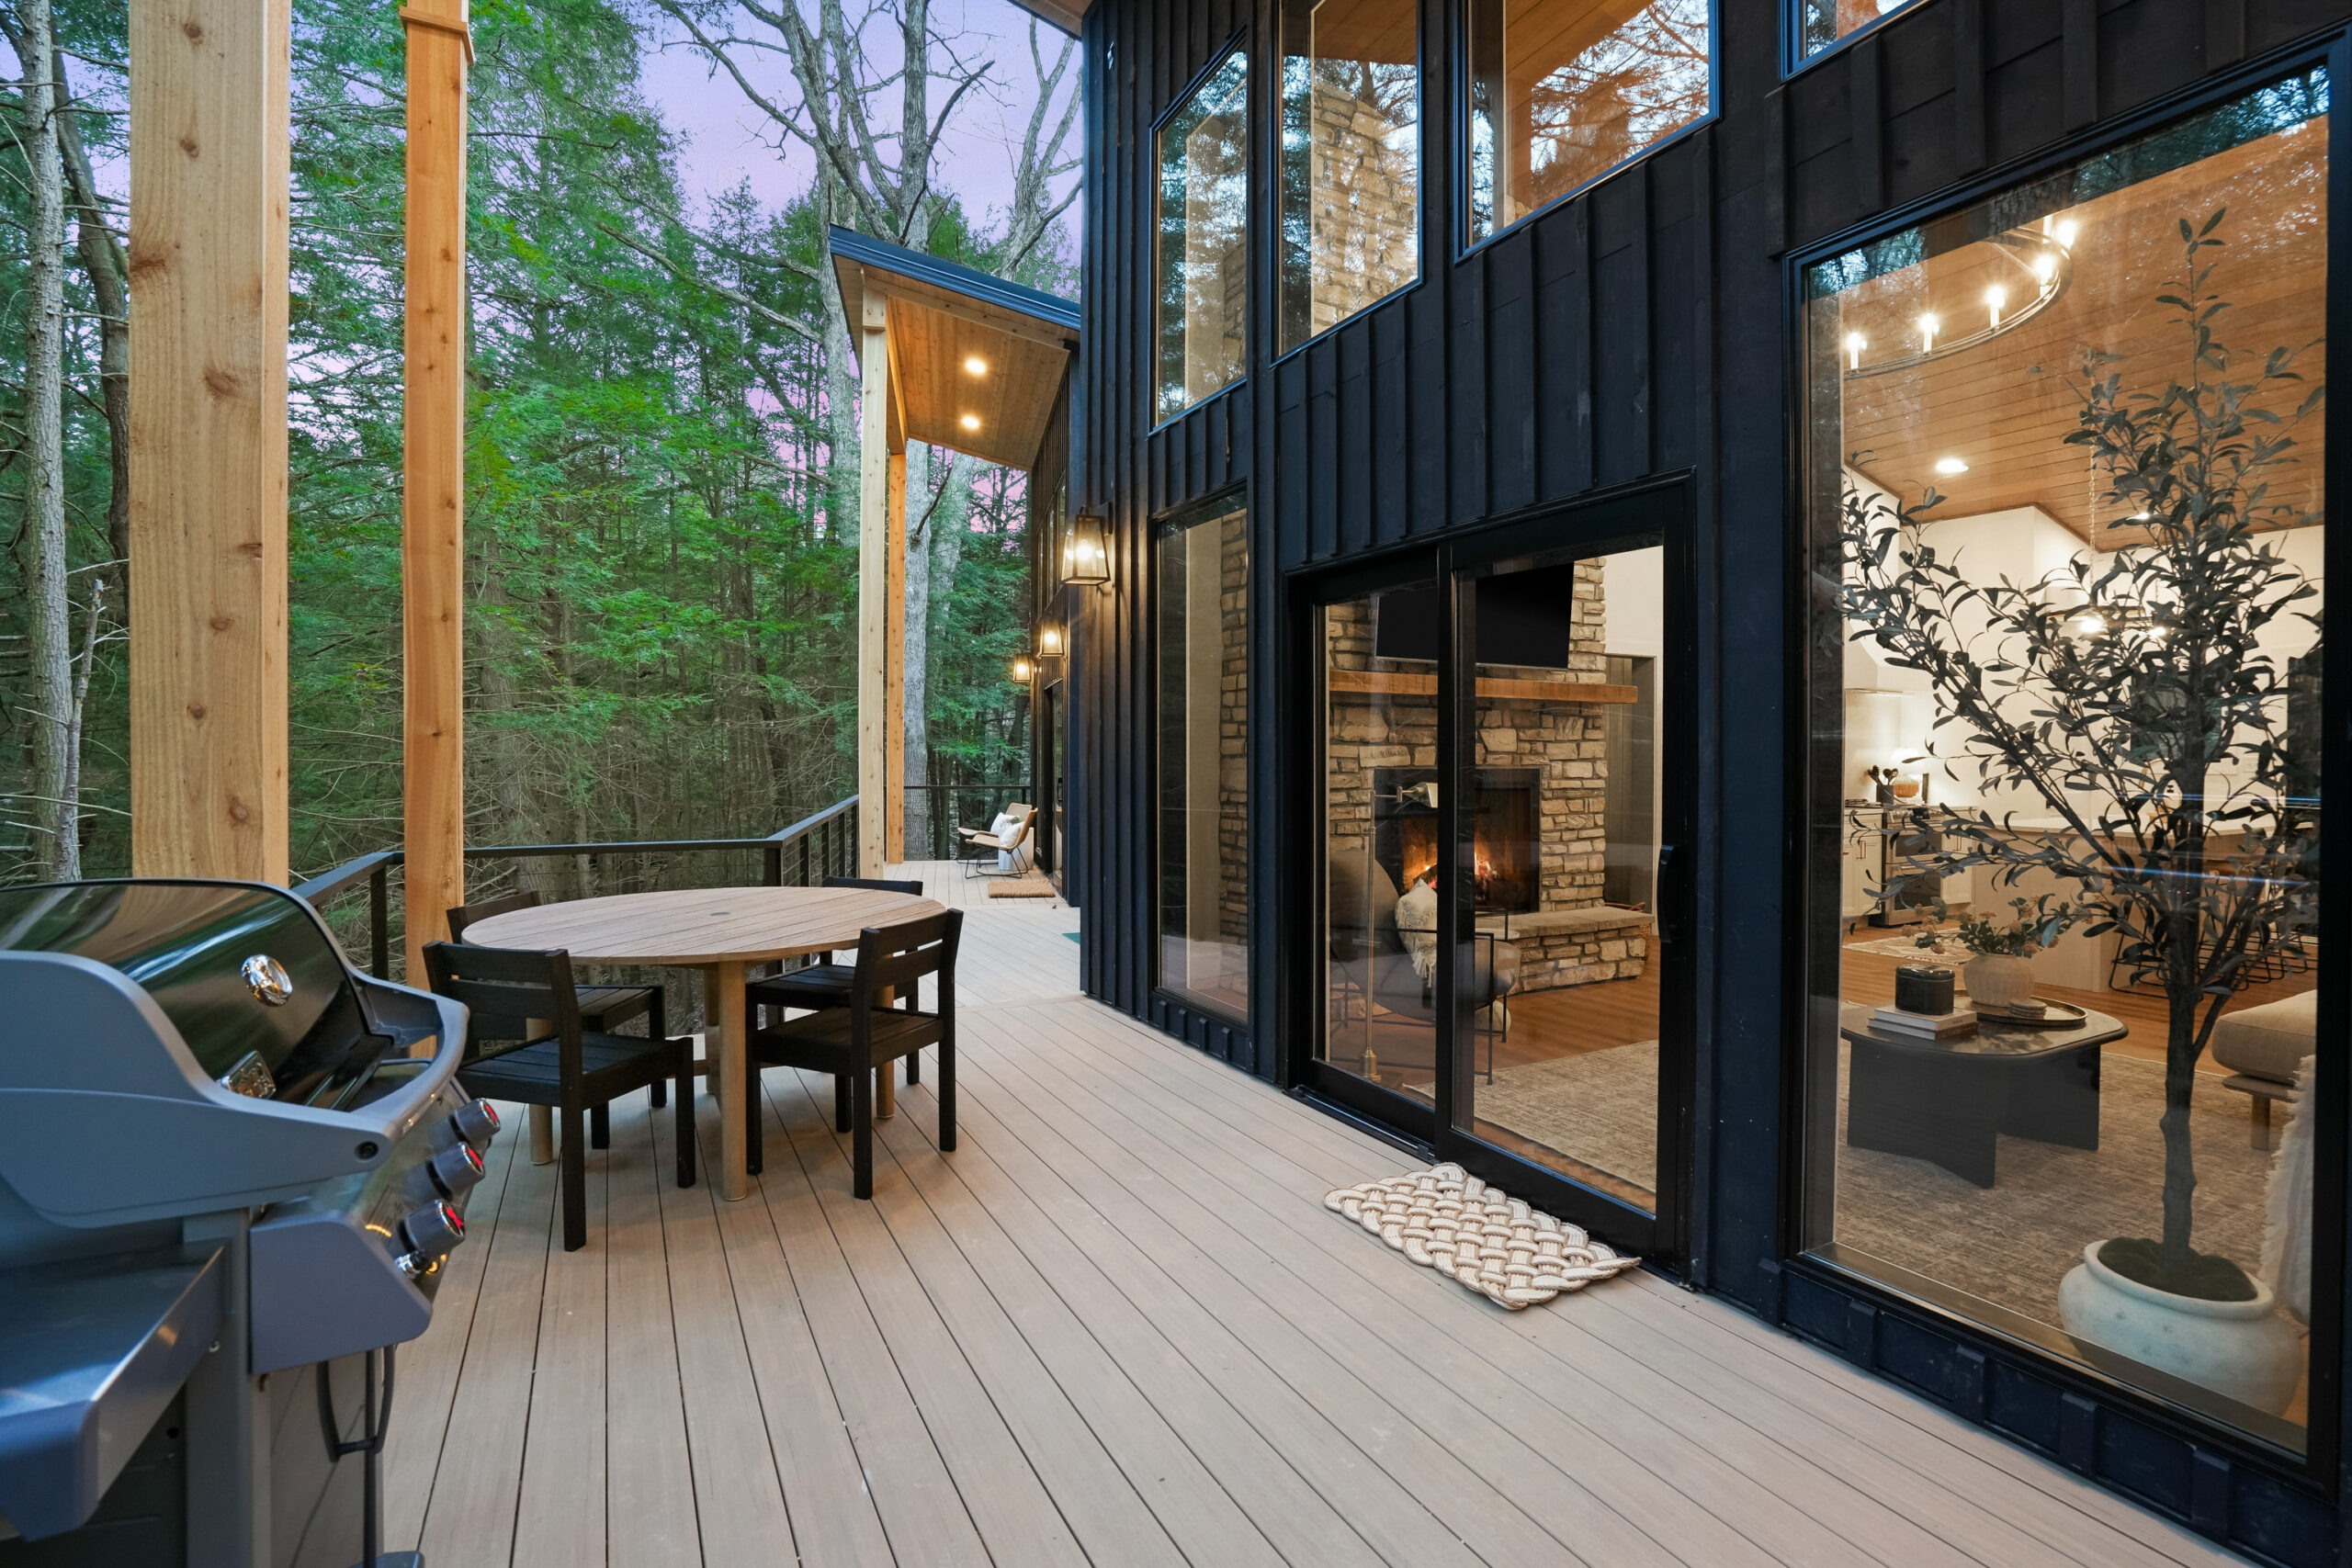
943, 321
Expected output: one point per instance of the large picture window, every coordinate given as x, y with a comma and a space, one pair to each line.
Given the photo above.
1203, 262
1351, 170
1563, 91
2068, 553
1201, 576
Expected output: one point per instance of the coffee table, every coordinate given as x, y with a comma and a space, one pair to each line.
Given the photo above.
721, 931
1947, 1102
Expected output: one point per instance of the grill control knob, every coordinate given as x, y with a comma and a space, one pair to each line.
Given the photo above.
433, 1229
476, 1123
454, 1169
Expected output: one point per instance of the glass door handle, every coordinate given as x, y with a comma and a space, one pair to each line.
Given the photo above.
1665, 899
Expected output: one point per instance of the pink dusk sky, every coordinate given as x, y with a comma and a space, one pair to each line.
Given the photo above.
728, 140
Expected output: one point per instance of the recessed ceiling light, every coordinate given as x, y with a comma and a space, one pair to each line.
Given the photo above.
971, 422
976, 364
1950, 466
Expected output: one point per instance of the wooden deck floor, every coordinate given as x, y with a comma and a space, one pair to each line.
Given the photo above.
1116, 1326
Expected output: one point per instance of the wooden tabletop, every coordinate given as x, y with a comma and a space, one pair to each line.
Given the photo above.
704, 925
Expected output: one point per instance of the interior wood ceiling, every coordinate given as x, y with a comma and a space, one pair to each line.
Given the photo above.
2005, 406
1541, 36
1385, 33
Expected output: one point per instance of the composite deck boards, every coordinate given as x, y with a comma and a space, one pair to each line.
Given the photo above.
1115, 1326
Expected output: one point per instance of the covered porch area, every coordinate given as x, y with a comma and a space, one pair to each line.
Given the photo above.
1117, 1327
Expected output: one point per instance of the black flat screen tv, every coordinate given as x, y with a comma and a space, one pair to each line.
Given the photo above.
1525, 617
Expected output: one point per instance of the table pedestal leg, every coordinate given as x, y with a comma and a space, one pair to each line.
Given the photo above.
541, 1117
886, 1091
723, 1040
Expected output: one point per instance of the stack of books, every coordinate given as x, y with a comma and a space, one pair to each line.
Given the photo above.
1926, 1025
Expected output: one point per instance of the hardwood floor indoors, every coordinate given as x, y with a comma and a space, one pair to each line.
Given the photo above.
1117, 1327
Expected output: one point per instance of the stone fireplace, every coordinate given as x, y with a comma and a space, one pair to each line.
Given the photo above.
1507, 844
1541, 779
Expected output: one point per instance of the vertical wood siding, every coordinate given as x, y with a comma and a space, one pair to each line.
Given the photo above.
1635, 329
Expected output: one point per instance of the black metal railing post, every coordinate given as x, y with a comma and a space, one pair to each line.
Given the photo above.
380, 921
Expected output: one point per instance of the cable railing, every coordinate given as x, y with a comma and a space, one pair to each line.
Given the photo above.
821, 845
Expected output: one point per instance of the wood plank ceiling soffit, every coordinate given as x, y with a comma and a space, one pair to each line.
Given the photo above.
975, 363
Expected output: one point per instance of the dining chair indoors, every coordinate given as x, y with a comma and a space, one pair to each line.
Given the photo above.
528, 998
855, 1040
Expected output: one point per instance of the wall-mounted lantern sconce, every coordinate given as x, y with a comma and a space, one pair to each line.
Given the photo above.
1021, 669
1049, 641
1086, 557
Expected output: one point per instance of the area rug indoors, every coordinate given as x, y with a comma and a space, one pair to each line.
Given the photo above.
1489, 1241
1946, 948
2009, 1244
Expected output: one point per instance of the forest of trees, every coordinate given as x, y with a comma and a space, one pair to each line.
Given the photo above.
662, 509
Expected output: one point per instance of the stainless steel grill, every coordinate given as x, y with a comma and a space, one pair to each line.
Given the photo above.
228, 1159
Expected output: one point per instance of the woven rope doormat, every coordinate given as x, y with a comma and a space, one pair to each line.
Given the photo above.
1022, 887
1447, 1220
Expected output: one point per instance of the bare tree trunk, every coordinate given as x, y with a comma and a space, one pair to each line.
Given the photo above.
107, 269
56, 807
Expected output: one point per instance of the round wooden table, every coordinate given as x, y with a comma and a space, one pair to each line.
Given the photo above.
721, 931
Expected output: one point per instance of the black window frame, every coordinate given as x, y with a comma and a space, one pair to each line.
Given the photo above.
1466, 244
2313, 1472
1238, 42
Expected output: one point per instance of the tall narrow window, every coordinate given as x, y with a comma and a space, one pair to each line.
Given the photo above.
1351, 146
1204, 239
2067, 478
1563, 91
1203, 574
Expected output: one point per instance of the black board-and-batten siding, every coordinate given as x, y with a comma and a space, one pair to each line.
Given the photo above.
1637, 329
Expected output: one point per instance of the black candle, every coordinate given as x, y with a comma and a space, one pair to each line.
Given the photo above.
1923, 987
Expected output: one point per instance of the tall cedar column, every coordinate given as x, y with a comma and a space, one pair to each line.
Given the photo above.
433, 502
874, 738
894, 681
207, 438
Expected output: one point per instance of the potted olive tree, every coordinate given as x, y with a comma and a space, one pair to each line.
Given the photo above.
2135, 705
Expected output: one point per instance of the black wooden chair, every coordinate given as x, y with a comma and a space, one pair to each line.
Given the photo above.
602, 1007
515, 995
824, 985
855, 1041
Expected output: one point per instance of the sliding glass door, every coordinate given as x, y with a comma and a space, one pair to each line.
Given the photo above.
1499, 821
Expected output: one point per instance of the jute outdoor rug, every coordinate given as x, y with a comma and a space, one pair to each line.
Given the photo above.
1022, 887
1447, 1220
2009, 1244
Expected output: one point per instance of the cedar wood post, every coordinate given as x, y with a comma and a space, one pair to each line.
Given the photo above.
433, 437
874, 617
208, 438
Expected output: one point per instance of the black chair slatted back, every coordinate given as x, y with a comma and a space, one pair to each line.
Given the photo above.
506, 988
874, 883
465, 914
896, 957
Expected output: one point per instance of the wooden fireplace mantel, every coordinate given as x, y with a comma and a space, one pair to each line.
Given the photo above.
1401, 683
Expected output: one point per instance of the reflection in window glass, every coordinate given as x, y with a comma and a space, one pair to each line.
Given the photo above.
2065, 814
1202, 584
1351, 173
1380, 841
1562, 91
1204, 239
1826, 21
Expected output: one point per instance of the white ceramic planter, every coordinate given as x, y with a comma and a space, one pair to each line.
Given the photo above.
2244, 1349
1998, 980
